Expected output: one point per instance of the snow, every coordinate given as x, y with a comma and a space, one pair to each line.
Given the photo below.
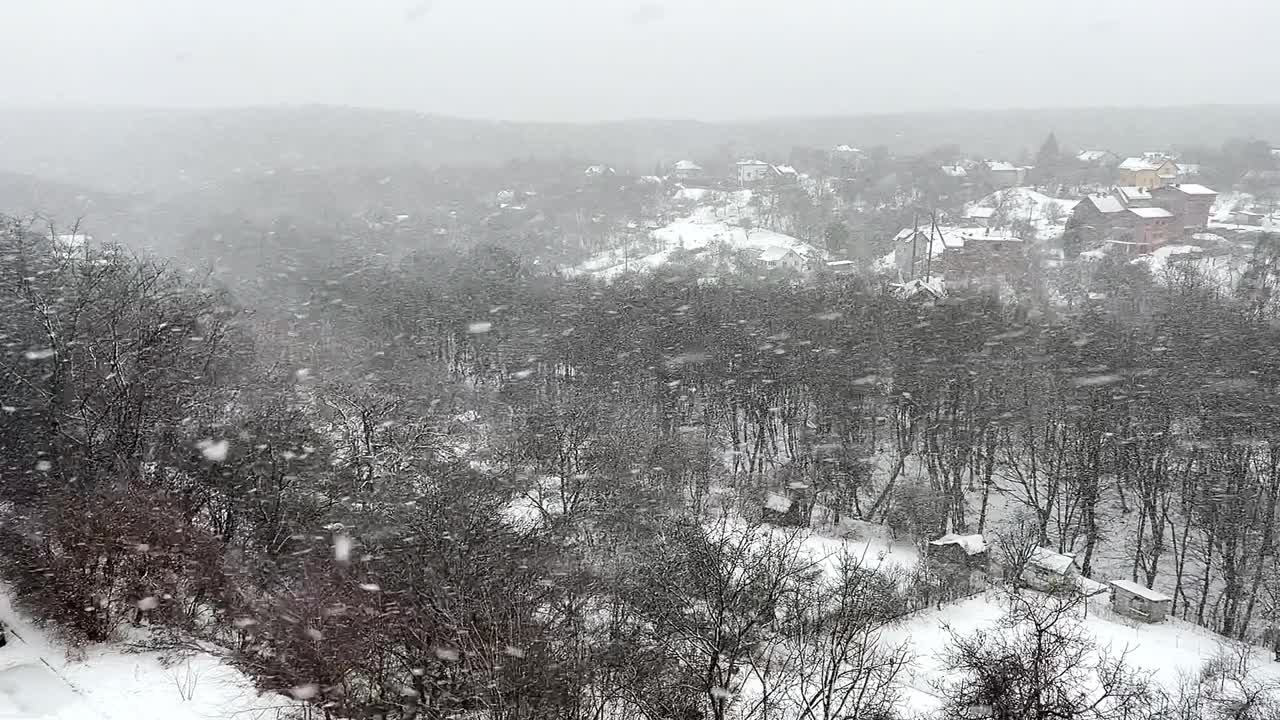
688, 166
980, 213
774, 254
1133, 193
1106, 204
1000, 166
1137, 163
1194, 189
214, 450
696, 234
955, 171
777, 503
37, 680
1024, 203
692, 194
971, 544
1165, 650
1092, 156
1049, 560
1151, 213
1141, 591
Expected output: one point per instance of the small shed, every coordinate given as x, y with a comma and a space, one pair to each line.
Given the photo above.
967, 550
1047, 570
1139, 602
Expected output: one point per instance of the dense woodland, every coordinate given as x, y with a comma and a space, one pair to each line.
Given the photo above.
317, 473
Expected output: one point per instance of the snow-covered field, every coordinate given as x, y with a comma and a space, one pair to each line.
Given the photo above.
1163, 650
1047, 214
37, 680
694, 235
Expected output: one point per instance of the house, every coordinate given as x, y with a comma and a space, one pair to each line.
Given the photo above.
1003, 174
1190, 202
961, 255
1098, 214
1133, 196
1152, 227
1048, 571
960, 561
841, 267
980, 216
751, 172
784, 173
1149, 171
1142, 603
966, 550
778, 257
1246, 217
955, 171
1103, 158
687, 170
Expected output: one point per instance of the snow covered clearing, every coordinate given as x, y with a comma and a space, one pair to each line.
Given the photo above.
1165, 650
1046, 214
722, 240
37, 680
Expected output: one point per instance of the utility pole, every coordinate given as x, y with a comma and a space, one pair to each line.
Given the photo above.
928, 263
914, 232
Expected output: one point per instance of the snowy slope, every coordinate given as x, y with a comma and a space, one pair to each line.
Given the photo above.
37, 680
692, 235
1165, 649
1022, 203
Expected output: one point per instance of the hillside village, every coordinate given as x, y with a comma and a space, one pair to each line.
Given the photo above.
829, 434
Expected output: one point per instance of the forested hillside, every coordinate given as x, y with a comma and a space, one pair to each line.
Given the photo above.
458, 483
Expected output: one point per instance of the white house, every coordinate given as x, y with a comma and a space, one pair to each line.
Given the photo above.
752, 171
686, 169
778, 257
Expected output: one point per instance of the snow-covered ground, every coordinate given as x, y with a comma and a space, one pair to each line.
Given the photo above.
37, 680
1164, 650
1047, 214
695, 234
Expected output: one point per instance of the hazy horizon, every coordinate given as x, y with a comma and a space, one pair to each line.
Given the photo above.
618, 60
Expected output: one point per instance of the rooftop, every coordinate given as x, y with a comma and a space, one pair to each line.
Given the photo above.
1151, 213
1143, 592
1193, 189
1000, 166
971, 544
688, 165
1052, 561
774, 253
1106, 204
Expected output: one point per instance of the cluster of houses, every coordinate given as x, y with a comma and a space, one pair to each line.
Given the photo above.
962, 255
1139, 218
1047, 571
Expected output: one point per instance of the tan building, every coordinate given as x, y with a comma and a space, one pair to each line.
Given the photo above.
1192, 203
1147, 172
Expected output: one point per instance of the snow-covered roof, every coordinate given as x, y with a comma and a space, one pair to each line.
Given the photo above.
1130, 193
1054, 562
840, 263
688, 165
753, 163
1106, 204
785, 169
955, 171
1189, 168
971, 544
1092, 155
774, 253
847, 149
1193, 189
1000, 166
1137, 163
1151, 213
1145, 593
980, 213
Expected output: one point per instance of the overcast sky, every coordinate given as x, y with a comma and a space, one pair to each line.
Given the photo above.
588, 60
